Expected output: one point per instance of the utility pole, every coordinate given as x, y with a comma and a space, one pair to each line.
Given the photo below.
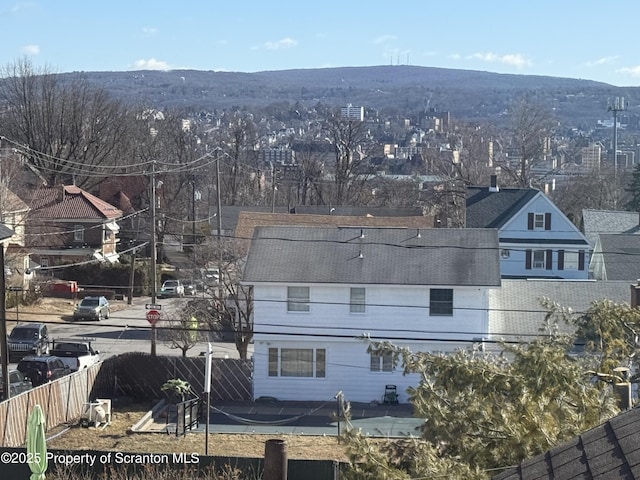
154, 254
618, 106
219, 215
193, 219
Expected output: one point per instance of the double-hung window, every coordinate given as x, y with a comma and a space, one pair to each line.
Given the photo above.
297, 299
357, 300
78, 233
441, 302
297, 362
381, 363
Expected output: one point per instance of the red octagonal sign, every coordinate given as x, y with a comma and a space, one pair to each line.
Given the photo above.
153, 316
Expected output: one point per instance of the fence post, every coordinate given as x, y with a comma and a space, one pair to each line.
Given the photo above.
275, 460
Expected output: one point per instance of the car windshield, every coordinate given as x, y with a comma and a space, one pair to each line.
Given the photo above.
171, 283
89, 302
24, 333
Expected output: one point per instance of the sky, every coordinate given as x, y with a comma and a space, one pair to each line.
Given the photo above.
585, 39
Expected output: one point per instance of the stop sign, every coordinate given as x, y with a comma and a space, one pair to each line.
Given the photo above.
153, 316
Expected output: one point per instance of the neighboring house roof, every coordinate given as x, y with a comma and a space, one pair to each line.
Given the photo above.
391, 256
610, 450
230, 214
358, 211
617, 257
596, 222
5, 232
515, 311
247, 221
492, 209
71, 203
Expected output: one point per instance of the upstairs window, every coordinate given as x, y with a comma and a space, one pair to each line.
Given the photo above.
357, 300
441, 302
297, 299
78, 233
539, 221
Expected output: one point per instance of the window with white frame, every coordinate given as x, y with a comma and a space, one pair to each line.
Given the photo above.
78, 233
538, 259
357, 298
297, 362
441, 301
381, 363
44, 261
571, 260
538, 221
297, 299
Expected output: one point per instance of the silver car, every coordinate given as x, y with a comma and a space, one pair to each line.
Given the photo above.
171, 288
92, 308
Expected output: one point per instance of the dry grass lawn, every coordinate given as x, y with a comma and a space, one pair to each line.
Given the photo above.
116, 437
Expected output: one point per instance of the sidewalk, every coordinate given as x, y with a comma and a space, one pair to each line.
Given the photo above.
301, 418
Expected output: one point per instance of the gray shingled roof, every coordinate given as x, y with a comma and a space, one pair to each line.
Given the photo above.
485, 209
5, 232
608, 451
515, 310
621, 256
358, 211
390, 256
595, 222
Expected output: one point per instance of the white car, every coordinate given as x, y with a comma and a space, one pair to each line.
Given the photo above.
171, 288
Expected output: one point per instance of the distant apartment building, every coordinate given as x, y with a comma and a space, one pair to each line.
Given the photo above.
352, 113
279, 156
591, 156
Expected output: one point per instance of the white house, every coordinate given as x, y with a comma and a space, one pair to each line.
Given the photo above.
317, 291
536, 239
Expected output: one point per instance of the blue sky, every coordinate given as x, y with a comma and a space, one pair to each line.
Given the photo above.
562, 38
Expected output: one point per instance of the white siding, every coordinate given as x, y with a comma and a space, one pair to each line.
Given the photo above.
398, 313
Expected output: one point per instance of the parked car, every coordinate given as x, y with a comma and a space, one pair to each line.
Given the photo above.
43, 369
171, 288
92, 308
18, 384
190, 287
28, 339
75, 354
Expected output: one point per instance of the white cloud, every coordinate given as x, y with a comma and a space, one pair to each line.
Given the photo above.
150, 64
631, 71
30, 50
149, 31
601, 61
512, 59
278, 44
384, 39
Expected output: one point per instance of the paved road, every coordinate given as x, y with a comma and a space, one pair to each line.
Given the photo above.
127, 330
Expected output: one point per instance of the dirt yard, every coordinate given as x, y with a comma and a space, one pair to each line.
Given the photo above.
117, 437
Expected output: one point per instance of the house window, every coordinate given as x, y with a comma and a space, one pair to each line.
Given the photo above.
381, 363
357, 300
441, 301
44, 261
297, 362
297, 299
568, 260
539, 221
78, 233
538, 259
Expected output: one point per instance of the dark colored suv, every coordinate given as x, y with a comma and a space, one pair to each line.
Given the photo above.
43, 369
28, 339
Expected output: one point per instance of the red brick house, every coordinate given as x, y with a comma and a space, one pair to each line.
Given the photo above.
68, 225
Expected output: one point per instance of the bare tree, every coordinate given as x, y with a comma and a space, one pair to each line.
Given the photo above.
182, 330
531, 129
67, 129
351, 146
